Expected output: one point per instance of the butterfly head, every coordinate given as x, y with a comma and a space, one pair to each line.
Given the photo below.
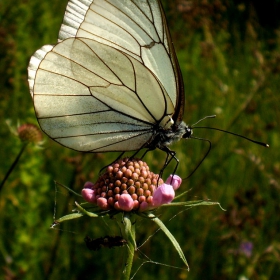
188, 133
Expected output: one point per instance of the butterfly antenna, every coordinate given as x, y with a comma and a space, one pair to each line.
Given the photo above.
209, 149
238, 135
210, 144
225, 131
207, 117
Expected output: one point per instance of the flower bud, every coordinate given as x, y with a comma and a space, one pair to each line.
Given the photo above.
126, 202
89, 195
163, 194
174, 180
88, 185
103, 203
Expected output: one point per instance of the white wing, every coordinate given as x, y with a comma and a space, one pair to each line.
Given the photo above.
98, 89
135, 27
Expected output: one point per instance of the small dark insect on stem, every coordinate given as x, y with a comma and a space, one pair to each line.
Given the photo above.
107, 241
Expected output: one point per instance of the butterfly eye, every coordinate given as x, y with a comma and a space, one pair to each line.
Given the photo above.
188, 133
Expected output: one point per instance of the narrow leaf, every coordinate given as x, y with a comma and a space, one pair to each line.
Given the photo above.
193, 204
85, 212
70, 190
170, 236
69, 217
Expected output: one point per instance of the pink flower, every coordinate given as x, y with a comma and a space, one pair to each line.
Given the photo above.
103, 203
144, 206
89, 195
163, 194
126, 202
175, 181
129, 185
88, 185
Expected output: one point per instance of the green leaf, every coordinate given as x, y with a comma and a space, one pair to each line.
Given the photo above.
68, 217
85, 212
70, 190
170, 236
193, 204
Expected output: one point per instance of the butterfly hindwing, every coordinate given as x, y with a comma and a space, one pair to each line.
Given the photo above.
88, 111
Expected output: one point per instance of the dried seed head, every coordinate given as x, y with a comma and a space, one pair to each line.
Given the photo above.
30, 133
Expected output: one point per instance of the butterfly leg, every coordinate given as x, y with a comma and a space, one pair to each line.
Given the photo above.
102, 169
170, 155
148, 150
134, 155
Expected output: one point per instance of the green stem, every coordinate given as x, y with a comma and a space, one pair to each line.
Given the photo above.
129, 234
13, 166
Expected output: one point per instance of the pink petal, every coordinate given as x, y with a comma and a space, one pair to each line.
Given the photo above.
174, 180
136, 204
103, 203
163, 194
88, 185
144, 206
89, 195
117, 206
126, 202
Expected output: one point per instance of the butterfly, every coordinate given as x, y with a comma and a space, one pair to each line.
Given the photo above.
112, 82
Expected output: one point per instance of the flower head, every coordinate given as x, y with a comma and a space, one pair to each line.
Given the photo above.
128, 185
30, 133
246, 248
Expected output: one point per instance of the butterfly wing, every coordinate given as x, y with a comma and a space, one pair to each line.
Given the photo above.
180, 91
103, 87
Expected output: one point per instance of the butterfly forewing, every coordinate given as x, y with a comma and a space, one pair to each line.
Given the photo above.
134, 27
180, 92
110, 80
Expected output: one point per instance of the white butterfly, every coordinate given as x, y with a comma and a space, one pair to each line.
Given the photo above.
113, 82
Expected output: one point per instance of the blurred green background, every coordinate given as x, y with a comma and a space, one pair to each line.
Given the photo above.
229, 52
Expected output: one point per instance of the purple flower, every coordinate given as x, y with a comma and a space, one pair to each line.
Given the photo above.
88, 185
246, 248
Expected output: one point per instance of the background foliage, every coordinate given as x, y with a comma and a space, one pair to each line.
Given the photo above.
229, 52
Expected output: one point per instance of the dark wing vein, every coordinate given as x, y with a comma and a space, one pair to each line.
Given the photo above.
71, 115
128, 138
105, 133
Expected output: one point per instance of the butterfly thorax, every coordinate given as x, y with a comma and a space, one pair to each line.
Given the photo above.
165, 137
